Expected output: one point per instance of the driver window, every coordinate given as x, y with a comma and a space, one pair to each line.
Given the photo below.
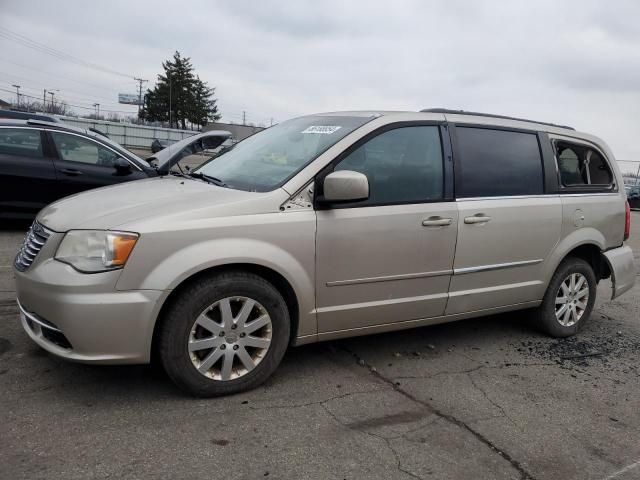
73, 148
403, 165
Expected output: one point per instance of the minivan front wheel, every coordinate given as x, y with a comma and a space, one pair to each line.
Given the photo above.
224, 334
569, 299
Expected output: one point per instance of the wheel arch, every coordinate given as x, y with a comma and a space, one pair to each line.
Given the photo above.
582, 245
281, 284
592, 254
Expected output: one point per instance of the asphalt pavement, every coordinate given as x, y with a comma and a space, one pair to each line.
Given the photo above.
489, 398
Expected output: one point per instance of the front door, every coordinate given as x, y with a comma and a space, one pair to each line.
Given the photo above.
83, 164
389, 258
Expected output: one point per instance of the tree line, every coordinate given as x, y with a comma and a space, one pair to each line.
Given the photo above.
180, 96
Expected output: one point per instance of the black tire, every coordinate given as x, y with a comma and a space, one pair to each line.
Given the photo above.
191, 301
545, 315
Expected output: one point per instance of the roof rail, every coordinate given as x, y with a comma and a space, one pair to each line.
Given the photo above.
490, 115
33, 121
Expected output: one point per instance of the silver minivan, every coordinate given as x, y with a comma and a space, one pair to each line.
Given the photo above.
323, 227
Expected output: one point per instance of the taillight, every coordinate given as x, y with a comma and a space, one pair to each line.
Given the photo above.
627, 220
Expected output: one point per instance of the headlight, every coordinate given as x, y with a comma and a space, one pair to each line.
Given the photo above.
92, 251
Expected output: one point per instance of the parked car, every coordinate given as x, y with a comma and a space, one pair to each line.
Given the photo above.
633, 195
323, 227
191, 153
158, 144
41, 162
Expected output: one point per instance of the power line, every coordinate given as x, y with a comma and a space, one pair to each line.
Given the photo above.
87, 96
41, 72
85, 107
29, 43
65, 96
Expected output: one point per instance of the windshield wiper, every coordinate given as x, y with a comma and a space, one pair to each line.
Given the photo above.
208, 178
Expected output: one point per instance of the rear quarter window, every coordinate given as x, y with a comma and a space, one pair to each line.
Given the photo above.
493, 163
22, 142
582, 166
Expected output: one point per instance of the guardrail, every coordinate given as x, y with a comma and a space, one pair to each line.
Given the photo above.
128, 134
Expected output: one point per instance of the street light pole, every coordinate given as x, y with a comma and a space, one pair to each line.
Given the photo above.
17, 87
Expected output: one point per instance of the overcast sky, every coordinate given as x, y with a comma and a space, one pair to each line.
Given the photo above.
569, 62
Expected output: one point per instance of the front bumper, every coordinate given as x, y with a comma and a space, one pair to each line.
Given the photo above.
83, 317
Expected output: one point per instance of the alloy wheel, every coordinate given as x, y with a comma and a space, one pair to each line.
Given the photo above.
572, 299
230, 338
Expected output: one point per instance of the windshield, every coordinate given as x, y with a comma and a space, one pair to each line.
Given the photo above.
269, 158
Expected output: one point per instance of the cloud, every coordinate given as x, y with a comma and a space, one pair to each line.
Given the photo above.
574, 62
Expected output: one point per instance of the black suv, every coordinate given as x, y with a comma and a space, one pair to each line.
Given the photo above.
41, 162
633, 195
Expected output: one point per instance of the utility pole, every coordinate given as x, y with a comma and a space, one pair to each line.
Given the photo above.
53, 103
97, 107
17, 87
44, 97
140, 82
169, 75
244, 117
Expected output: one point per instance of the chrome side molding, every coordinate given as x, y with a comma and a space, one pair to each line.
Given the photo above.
497, 266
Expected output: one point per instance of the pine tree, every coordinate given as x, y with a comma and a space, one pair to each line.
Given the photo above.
180, 94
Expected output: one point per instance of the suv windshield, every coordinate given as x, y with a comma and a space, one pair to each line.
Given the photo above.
269, 158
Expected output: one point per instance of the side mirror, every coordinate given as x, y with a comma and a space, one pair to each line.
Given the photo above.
122, 166
345, 186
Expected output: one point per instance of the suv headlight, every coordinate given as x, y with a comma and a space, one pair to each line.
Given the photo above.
92, 251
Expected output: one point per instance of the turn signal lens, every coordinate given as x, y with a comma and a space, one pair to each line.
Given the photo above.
120, 247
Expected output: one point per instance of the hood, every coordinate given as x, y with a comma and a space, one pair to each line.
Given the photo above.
173, 153
147, 200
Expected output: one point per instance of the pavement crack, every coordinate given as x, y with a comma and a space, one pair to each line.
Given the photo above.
475, 369
492, 402
515, 464
623, 470
308, 404
387, 441
447, 372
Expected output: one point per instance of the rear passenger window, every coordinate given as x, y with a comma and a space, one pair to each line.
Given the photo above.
23, 142
402, 165
580, 165
495, 163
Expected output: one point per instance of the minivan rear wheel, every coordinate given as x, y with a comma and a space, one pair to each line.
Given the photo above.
224, 334
569, 299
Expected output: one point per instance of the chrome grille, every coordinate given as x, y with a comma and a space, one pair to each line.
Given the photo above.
36, 238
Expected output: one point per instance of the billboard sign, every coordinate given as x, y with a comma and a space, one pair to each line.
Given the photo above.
128, 98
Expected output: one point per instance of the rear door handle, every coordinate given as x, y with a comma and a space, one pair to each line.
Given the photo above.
479, 218
72, 172
436, 222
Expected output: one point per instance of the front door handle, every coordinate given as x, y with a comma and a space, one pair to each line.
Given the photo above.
479, 218
72, 172
436, 222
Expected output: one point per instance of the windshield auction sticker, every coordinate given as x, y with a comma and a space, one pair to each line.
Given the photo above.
322, 129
